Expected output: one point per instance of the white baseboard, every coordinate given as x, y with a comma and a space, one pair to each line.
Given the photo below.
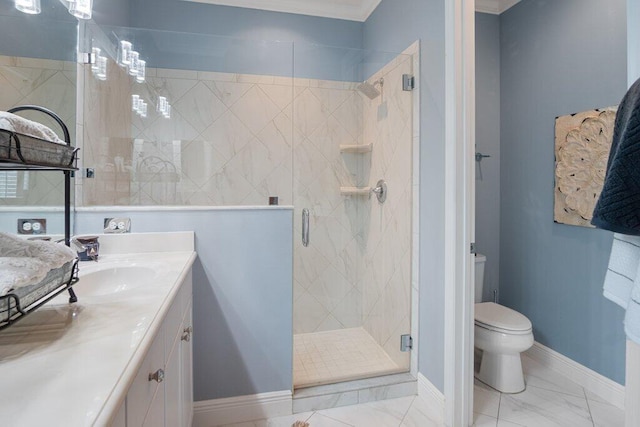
607, 389
210, 413
431, 396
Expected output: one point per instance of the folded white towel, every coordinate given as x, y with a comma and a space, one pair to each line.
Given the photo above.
623, 269
20, 271
15, 123
37, 258
622, 281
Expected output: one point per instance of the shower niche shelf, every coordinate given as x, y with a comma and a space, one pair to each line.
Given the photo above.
355, 191
356, 149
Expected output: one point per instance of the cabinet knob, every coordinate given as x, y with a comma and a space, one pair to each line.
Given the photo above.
186, 336
157, 376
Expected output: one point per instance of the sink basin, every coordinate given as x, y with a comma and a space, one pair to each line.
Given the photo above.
113, 280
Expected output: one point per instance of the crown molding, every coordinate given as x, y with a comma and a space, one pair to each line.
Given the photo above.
352, 10
495, 7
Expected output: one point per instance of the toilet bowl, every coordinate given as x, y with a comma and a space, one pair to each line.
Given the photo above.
502, 334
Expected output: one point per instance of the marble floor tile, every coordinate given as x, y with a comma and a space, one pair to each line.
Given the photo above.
318, 420
537, 407
486, 401
605, 415
419, 415
389, 413
480, 420
284, 421
538, 376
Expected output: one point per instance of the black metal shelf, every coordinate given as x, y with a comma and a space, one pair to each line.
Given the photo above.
27, 153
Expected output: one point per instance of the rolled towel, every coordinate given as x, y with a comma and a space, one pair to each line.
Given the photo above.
15, 123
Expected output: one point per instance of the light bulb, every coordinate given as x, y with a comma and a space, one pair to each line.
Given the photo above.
101, 73
135, 103
81, 9
142, 69
133, 66
95, 52
31, 7
125, 52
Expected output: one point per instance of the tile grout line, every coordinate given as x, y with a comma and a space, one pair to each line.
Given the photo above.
586, 399
407, 411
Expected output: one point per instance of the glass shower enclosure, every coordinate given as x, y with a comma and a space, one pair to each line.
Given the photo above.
326, 130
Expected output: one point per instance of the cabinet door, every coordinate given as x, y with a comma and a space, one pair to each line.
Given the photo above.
155, 416
142, 389
173, 399
186, 370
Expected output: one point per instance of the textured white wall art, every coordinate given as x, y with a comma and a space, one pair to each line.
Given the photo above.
583, 141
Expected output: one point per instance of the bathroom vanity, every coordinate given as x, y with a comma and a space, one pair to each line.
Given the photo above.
121, 355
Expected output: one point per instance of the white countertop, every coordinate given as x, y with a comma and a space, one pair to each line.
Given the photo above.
72, 364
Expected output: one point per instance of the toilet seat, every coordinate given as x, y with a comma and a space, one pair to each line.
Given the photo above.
498, 318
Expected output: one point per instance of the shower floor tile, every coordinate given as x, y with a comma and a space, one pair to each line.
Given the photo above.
341, 355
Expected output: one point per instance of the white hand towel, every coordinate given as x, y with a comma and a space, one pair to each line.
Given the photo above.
622, 281
15, 123
623, 268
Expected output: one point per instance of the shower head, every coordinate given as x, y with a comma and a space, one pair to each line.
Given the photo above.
369, 89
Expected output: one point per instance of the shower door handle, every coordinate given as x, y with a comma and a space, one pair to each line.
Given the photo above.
305, 227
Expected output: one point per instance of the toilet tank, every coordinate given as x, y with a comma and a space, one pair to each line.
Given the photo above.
480, 261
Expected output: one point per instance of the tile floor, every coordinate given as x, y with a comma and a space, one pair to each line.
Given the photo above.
550, 400
340, 355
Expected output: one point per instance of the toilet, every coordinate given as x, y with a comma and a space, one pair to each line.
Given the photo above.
502, 334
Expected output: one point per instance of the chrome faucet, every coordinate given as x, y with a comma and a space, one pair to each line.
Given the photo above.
88, 247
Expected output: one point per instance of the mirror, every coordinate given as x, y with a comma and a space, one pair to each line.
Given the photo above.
37, 66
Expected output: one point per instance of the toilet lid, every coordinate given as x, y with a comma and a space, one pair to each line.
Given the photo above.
498, 316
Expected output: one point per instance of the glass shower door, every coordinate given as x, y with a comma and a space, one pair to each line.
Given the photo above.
350, 285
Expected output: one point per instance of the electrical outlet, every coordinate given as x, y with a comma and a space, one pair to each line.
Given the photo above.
117, 225
32, 226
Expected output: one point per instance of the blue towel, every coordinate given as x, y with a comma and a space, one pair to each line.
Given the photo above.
618, 208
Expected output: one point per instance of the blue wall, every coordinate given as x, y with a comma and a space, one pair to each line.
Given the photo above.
242, 294
557, 58
53, 33
251, 26
394, 28
488, 142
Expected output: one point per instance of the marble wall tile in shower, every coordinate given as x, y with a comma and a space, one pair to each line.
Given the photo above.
255, 109
200, 107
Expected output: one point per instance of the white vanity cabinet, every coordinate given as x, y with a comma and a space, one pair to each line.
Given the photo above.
161, 393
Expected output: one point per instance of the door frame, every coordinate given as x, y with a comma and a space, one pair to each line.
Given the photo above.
459, 210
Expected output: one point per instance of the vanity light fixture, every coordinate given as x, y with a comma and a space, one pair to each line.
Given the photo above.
81, 9
31, 7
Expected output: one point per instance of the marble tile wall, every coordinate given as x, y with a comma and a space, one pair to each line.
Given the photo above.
385, 240
51, 84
